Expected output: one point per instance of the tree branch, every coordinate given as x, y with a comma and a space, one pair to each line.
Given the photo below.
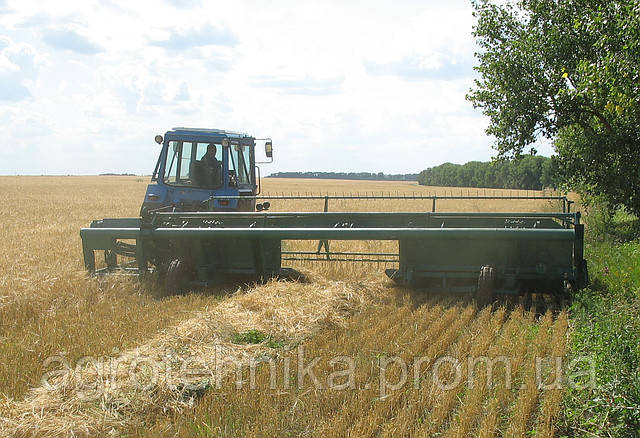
590, 110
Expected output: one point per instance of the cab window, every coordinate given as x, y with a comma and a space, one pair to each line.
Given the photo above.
194, 164
240, 165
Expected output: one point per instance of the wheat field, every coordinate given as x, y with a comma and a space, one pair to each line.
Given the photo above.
345, 314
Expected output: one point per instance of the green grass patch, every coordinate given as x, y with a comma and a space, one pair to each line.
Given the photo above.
604, 224
606, 329
254, 336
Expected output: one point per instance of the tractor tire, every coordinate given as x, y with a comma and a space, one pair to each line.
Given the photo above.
527, 301
110, 258
584, 275
486, 286
582, 279
176, 277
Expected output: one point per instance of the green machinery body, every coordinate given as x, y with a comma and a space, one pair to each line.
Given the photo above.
504, 253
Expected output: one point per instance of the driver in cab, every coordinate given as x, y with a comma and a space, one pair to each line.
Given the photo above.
210, 168
209, 158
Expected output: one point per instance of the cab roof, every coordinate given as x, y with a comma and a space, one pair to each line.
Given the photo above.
205, 133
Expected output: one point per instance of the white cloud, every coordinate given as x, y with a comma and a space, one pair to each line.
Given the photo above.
182, 94
68, 39
424, 67
184, 4
207, 35
304, 86
370, 86
18, 68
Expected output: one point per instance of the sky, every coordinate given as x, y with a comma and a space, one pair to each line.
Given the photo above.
344, 86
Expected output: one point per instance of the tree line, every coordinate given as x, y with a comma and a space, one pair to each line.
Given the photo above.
529, 173
347, 175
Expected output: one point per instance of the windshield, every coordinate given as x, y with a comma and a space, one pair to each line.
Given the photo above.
240, 165
194, 164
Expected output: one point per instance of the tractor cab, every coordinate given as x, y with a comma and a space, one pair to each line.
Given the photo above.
197, 168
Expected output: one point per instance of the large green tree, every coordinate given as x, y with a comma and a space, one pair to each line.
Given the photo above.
569, 71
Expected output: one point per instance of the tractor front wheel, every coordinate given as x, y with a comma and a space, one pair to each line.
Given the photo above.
176, 278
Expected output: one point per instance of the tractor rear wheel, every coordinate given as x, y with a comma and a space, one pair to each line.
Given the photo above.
584, 275
175, 280
486, 286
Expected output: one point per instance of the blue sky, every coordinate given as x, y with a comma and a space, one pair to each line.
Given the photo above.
372, 86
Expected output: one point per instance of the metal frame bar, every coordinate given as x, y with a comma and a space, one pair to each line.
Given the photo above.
397, 196
566, 218
318, 259
200, 214
381, 254
566, 202
333, 233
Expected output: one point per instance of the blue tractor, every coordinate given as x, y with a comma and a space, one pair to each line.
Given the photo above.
198, 228
198, 168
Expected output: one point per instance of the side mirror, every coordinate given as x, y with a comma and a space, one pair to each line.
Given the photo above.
158, 139
268, 149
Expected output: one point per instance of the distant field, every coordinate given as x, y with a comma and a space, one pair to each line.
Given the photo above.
50, 307
338, 187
